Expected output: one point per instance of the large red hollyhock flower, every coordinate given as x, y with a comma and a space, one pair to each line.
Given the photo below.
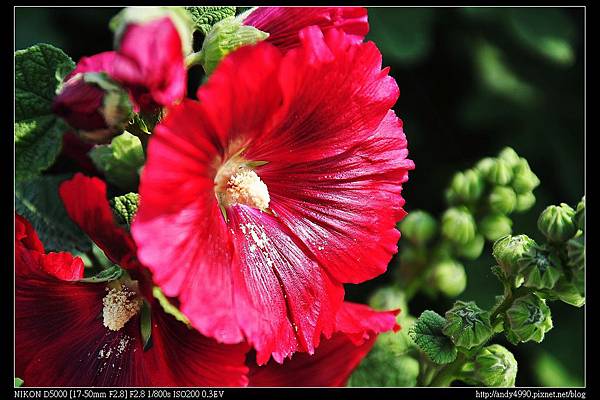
356, 330
283, 23
282, 183
149, 63
72, 333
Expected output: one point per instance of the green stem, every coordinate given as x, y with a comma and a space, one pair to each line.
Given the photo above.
193, 59
447, 374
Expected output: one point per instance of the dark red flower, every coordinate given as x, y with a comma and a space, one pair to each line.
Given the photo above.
284, 23
356, 330
74, 333
148, 63
282, 183
79, 104
77, 151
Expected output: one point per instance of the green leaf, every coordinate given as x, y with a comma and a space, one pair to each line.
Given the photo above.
124, 207
547, 31
427, 334
120, 160
550, 372
146, 325
404, 35
18, 382
110, 274
205, 17
38, 201
38, 132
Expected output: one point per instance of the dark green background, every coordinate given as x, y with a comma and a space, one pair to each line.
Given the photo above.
472, 81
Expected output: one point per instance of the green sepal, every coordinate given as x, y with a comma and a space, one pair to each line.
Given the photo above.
467, 325
18, 382
107, 275
493, 366
527, 319
146, 325
224, 37
540, 268
556, 223
168, 307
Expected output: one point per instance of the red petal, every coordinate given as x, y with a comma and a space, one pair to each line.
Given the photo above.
336, 358
85, 201
63, 266
360, 322
336, 160
101, 62
279, 291
150, 55
48, 309
180, 356
284, 23
26, 235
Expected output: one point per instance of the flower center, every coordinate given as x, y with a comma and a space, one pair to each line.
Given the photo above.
120, 305
237, 182
245, 187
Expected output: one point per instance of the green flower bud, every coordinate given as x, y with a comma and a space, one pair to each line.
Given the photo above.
579, 217
226, 36
449, 277
388, 298
466, 187
499, 173
528, 318
139, 15
473, 249
510, 156
495, 226
382, 367
509, 250
502, 199
576, 252
458, 225
494, 366
556, 223
467, 324
418, 227
484, 165
413, 256
525, 201
540, 268
524, 180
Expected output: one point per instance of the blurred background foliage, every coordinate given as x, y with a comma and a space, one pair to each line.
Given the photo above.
472, 81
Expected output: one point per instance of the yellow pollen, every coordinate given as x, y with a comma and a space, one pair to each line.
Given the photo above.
120, 305
246, 187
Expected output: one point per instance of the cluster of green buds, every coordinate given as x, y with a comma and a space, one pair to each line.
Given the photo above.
533, 274
480, 202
